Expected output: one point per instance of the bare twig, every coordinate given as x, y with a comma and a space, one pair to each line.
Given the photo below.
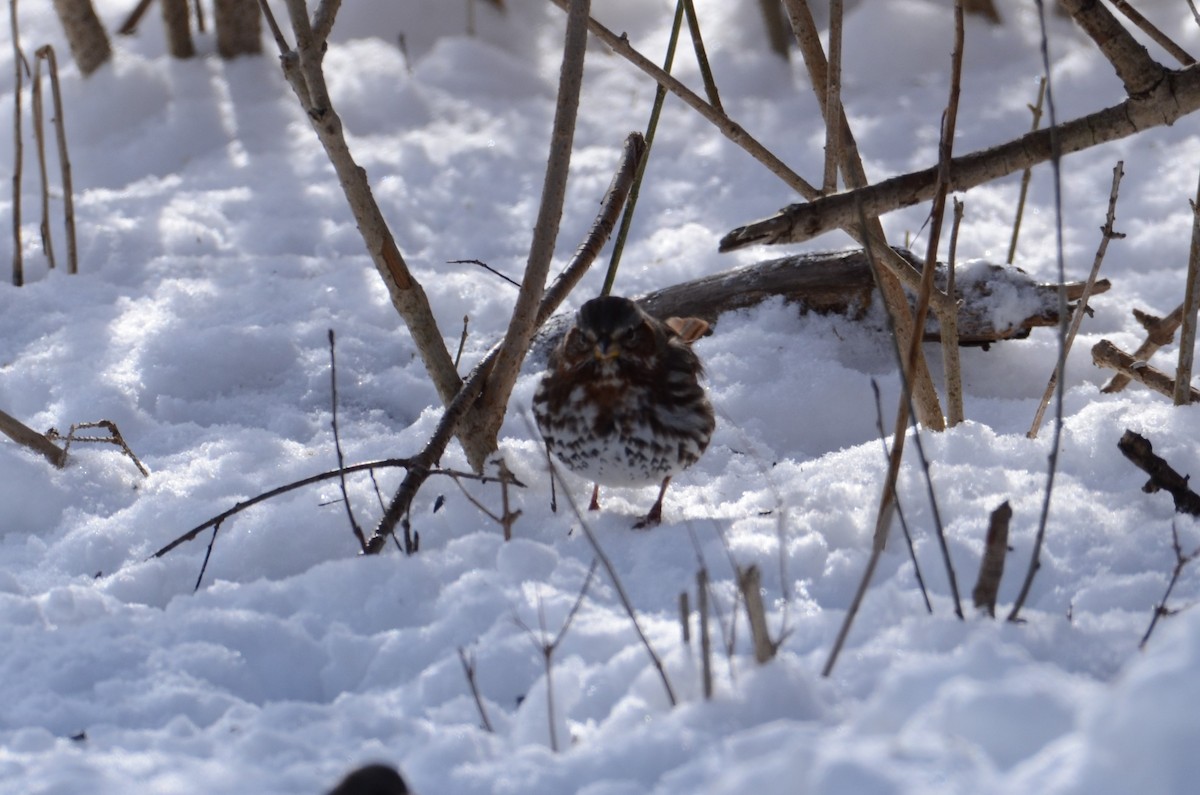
468, 664
1195, 13
1081, 308
1159, 38
39, 135
685, 617
337, 444
547, 647
951, 362
610, 207
23, 435
462, 341
212, 543
1169, 101
1035, 557
1191, 302
507, 518
611, 570
1027, 174
487, 268
660, 95
833, 99
46, 53
705, 639
889, 270
710, 84
912, 551
302, 69
727, 126
19, 63
1105, 354
130, 25
991, 564
114, 438
524, 323
366, 466
1160, 331
1181, 560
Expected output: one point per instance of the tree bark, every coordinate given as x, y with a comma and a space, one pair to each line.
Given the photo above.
179, 34
239, 27
85, 34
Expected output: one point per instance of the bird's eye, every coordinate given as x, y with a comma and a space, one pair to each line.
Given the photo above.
638, 338
577, 342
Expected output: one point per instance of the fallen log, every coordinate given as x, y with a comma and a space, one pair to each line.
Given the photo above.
996, 302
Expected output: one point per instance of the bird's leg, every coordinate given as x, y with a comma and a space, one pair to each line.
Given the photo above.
652, 518
594, 505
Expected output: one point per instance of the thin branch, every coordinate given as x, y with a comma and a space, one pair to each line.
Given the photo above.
610, 207
1027, 174
1181, 560
611, 570
727, 126
384, 463
660, 96
130, 25
1172, 99
833, 99
212, 543
39, 134
487, 268
912, 551
1191, 302
462, 341
951, 361
547, 648
705, 637
1081, 308
706, 75
46, 53
19, 62
1159, 38
523, 325
889, 270
337, 444
323, 19
1035, 557
468, 664
302, 69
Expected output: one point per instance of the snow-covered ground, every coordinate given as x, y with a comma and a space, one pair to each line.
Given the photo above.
216, 250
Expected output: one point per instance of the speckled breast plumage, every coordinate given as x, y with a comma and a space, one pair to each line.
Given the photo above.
621, 402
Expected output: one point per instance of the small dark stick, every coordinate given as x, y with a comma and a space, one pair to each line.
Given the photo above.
468, 664
991, 565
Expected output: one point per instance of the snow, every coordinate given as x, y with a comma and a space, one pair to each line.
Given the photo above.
217, 250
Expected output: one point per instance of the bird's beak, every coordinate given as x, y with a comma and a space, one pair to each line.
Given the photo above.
606, 350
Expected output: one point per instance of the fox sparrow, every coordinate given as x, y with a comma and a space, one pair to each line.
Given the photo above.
621, 402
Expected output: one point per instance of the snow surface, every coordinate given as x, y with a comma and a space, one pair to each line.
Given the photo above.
217, 250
